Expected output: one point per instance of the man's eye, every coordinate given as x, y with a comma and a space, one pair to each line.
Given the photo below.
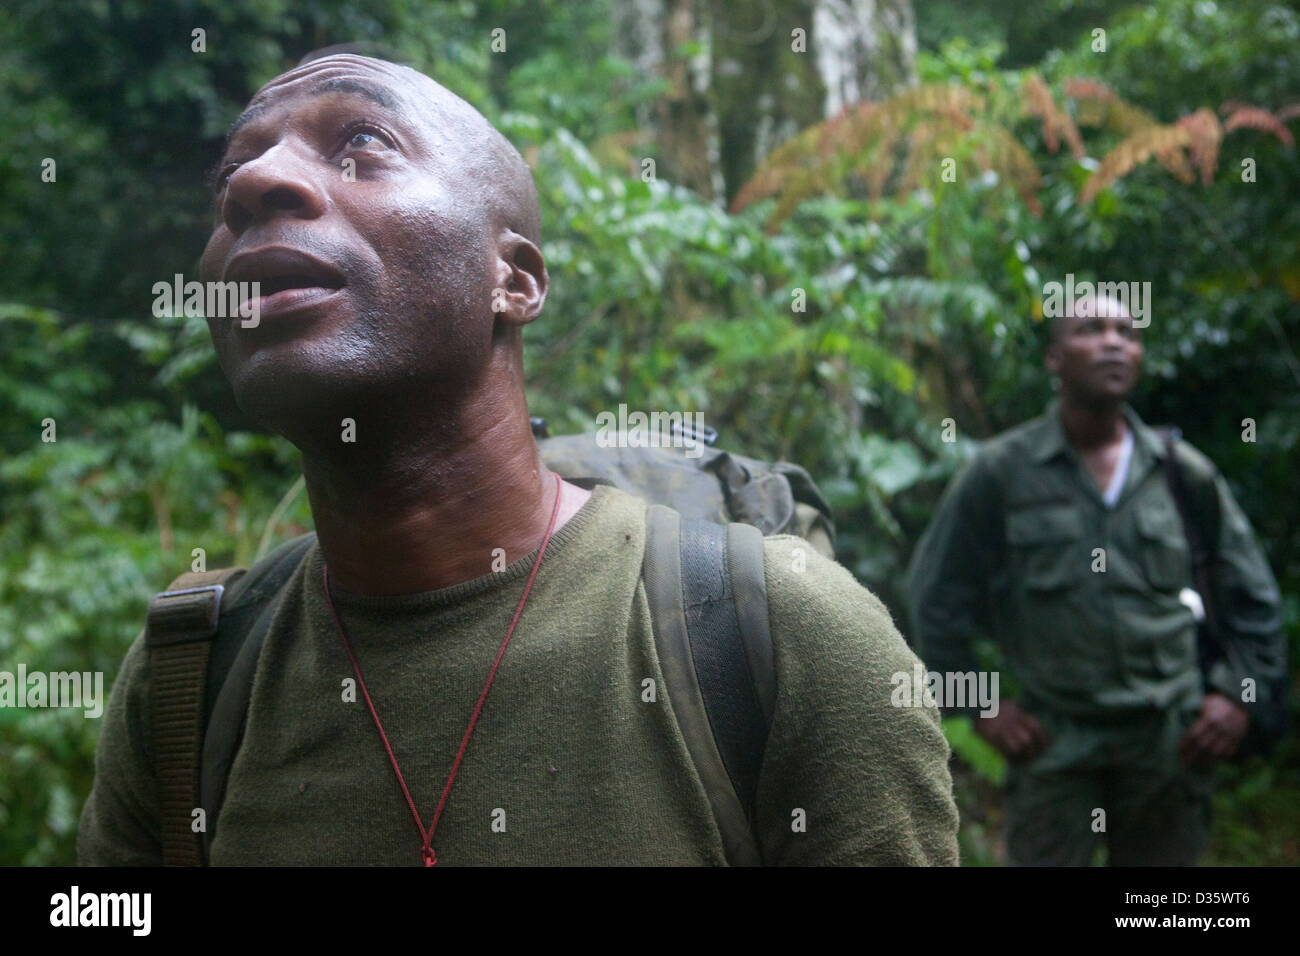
223, 177
363, 136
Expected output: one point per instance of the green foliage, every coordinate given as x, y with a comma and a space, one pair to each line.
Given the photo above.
978, 753
1026, 32
1255, 822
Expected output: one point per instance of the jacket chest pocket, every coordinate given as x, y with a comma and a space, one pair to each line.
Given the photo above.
1044, 544
1163, 546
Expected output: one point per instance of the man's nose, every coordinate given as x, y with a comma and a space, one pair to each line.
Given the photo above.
277, 183
1113, 337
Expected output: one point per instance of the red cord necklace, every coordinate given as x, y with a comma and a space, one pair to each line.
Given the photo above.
426, 836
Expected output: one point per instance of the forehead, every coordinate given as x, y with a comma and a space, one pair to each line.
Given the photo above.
385, 84
1089, 308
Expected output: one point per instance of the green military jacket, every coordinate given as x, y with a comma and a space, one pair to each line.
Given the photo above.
1016, 550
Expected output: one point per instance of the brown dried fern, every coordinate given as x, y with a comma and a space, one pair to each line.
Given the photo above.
1252, 117
1204, 135
861, 138
1037, 101
1162, 142
1098, 105
1086, 88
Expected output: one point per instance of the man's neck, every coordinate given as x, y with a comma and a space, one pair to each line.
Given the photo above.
1092, 425
418, 508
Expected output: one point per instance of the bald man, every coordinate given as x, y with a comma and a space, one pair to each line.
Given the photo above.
1062, 542
395, 236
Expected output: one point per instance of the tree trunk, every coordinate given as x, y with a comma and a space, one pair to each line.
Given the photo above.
866, 49
746, 75
668, 38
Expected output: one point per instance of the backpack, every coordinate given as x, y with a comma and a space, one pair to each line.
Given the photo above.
1197, 501
708, 602
699, 481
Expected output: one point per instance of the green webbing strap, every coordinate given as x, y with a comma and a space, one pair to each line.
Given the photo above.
666, 592
178, 632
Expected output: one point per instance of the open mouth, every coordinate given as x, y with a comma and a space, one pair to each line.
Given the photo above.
284, 294
271, 286
283, 280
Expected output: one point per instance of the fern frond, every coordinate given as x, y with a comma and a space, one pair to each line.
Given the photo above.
1086, 88
920, 149
1038, 101
1176, 164
936, 97
1204, 135
1252, 117
1125, 118
1000, 151
1098, 105
1163, 142
882, 161
860, 147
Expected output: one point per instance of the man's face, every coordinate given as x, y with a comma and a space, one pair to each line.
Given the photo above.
1097, 358
343, 197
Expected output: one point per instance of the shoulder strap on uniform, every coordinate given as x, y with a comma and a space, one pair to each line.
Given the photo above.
708, 608
195, 632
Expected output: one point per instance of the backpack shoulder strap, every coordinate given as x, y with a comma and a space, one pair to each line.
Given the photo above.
230, 674
708, 607
197, 632
1192, 478
1197, 503
179, 628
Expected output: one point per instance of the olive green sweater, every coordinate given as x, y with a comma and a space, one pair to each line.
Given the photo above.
569, 764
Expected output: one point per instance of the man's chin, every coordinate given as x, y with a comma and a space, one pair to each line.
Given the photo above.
286, 399
1114, 384
1103, 395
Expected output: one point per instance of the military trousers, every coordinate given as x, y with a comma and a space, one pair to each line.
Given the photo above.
1109, 787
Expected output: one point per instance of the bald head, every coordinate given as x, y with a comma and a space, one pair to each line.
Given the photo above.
496, 174
1090, 305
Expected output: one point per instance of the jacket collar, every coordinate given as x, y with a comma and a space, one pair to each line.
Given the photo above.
1048, 438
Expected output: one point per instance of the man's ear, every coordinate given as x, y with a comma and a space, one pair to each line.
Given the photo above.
521, 280
1052, 359
1052, 354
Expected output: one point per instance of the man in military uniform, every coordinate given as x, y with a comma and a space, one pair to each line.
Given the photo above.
1063, 542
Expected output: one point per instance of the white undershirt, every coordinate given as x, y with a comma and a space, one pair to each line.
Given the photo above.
1111, 494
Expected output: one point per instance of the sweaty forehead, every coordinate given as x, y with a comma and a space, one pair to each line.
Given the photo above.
363, 70
396, 88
